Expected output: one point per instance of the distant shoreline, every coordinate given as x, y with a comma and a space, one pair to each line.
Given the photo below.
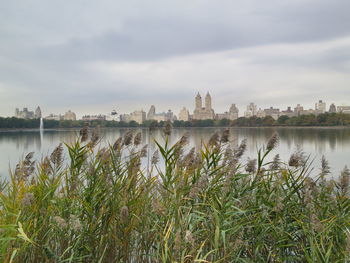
2, 130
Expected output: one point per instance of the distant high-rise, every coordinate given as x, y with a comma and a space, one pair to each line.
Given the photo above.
138, 116
151, 113
298, 110
26, 114
70, 116
332, 108
343, 109
205, 113
184, 115
163, 116
37, 114
233, 112
274, 113
251, 110
320, 106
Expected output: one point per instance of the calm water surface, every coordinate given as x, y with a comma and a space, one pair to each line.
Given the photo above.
333, 143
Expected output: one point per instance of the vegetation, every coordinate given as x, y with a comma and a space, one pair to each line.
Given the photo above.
182, 205
326, 119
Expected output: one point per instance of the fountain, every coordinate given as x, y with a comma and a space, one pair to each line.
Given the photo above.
41, 124
41, 128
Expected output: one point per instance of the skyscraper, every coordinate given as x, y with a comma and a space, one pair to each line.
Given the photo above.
205, 113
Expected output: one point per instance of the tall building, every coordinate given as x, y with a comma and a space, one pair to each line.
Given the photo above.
163, 116
203, 113
37, 114
113, 116
320, 107
54, 117
332, 108
98, 117
138, 116
184, 115
298, 110
274, 113
343, 109
288, 112
260, 113
151, 113
233, 112
251, 110
69, 116
24, 114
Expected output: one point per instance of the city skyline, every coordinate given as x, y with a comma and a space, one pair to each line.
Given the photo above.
201, 109
91, 57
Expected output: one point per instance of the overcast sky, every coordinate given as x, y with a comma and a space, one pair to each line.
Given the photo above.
95, 56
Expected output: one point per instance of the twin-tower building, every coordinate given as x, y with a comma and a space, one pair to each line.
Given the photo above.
207, 112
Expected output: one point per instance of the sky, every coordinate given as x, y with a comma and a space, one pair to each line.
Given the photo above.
93, 56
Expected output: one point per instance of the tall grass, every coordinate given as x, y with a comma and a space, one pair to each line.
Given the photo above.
198, 205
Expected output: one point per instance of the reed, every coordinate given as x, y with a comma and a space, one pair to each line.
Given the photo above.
190, 205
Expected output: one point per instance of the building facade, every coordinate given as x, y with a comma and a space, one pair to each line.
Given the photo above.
163, 116
332, 108
343, 109
70, 116
203, 113
24, 114
251, 110
320, 107
274, 113
233, 112
138, 116
54, 117
99, 117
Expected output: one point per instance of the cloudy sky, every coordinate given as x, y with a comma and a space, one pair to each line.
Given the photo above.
94, 56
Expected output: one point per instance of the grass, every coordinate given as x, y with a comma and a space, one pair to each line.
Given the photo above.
201, 205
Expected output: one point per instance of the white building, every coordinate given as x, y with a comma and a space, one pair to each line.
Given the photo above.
69, 116
137, 116
99, 117
343, 109
184, 115
54, 117
320, 107
233, 112
203, 113
163, 116
251, 110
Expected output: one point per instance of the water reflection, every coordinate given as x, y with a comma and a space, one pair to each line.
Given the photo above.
333, 143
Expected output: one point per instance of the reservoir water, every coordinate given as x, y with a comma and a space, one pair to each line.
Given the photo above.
333, 143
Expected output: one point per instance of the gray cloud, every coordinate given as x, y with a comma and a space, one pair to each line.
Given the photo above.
47, 49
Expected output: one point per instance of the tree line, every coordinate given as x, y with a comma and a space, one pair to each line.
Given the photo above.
325, 119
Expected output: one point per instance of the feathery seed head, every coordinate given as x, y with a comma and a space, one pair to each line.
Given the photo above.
344, 180
60, 222
238, 153
75, 223
167, 128
84, 132
143, 152
155, 158
127, 138
251, 166
214, 140
117, 144
189, 237
225, 136
28, 199
56, 155
124, 214
138, 139
272, 142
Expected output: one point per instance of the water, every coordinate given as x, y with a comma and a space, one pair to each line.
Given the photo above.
333, 143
